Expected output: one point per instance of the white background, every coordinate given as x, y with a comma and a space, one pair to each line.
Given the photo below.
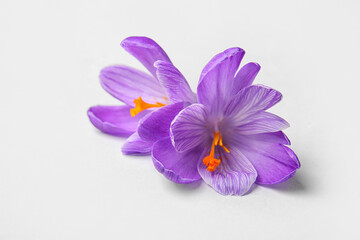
60, 178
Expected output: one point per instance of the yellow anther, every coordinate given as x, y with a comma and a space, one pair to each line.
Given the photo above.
140, 106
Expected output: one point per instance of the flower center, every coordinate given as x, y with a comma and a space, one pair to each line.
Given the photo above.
140, 106
210, 161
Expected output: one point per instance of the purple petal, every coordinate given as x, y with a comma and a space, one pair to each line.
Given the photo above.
189, 129
156, 125
271, 137
174, 83
234, 175
177, 167
216, 80
261, 122
217, 59
245, 77
126, 84
134, 145
251, 100
274, 163
115, 120
146, 50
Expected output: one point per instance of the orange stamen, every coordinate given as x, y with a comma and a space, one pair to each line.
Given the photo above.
221, 145
140, 106
210, 161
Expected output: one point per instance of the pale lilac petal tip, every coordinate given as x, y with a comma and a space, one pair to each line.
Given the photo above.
274, 163
234, 176
134, 145
262, 122
177, 167
146, 50
270, 137
250, 101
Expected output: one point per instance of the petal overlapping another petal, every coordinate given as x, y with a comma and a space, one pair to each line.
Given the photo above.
114, 120
177, 167
190, 128
134, 145
245, 77
216, 80
156, 125
270, 137
274, 163
126, 84
174, 83
146, 50
261, 122
250, 101
234, 176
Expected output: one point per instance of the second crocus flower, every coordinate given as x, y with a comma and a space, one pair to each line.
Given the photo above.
142, 93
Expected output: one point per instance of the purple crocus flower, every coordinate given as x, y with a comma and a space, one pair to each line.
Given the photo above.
228, 139
142, 93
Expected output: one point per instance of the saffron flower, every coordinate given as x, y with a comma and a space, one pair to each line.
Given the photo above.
228, 139
142, 93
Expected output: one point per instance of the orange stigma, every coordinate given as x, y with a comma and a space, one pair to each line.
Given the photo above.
210, 161
140, 106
